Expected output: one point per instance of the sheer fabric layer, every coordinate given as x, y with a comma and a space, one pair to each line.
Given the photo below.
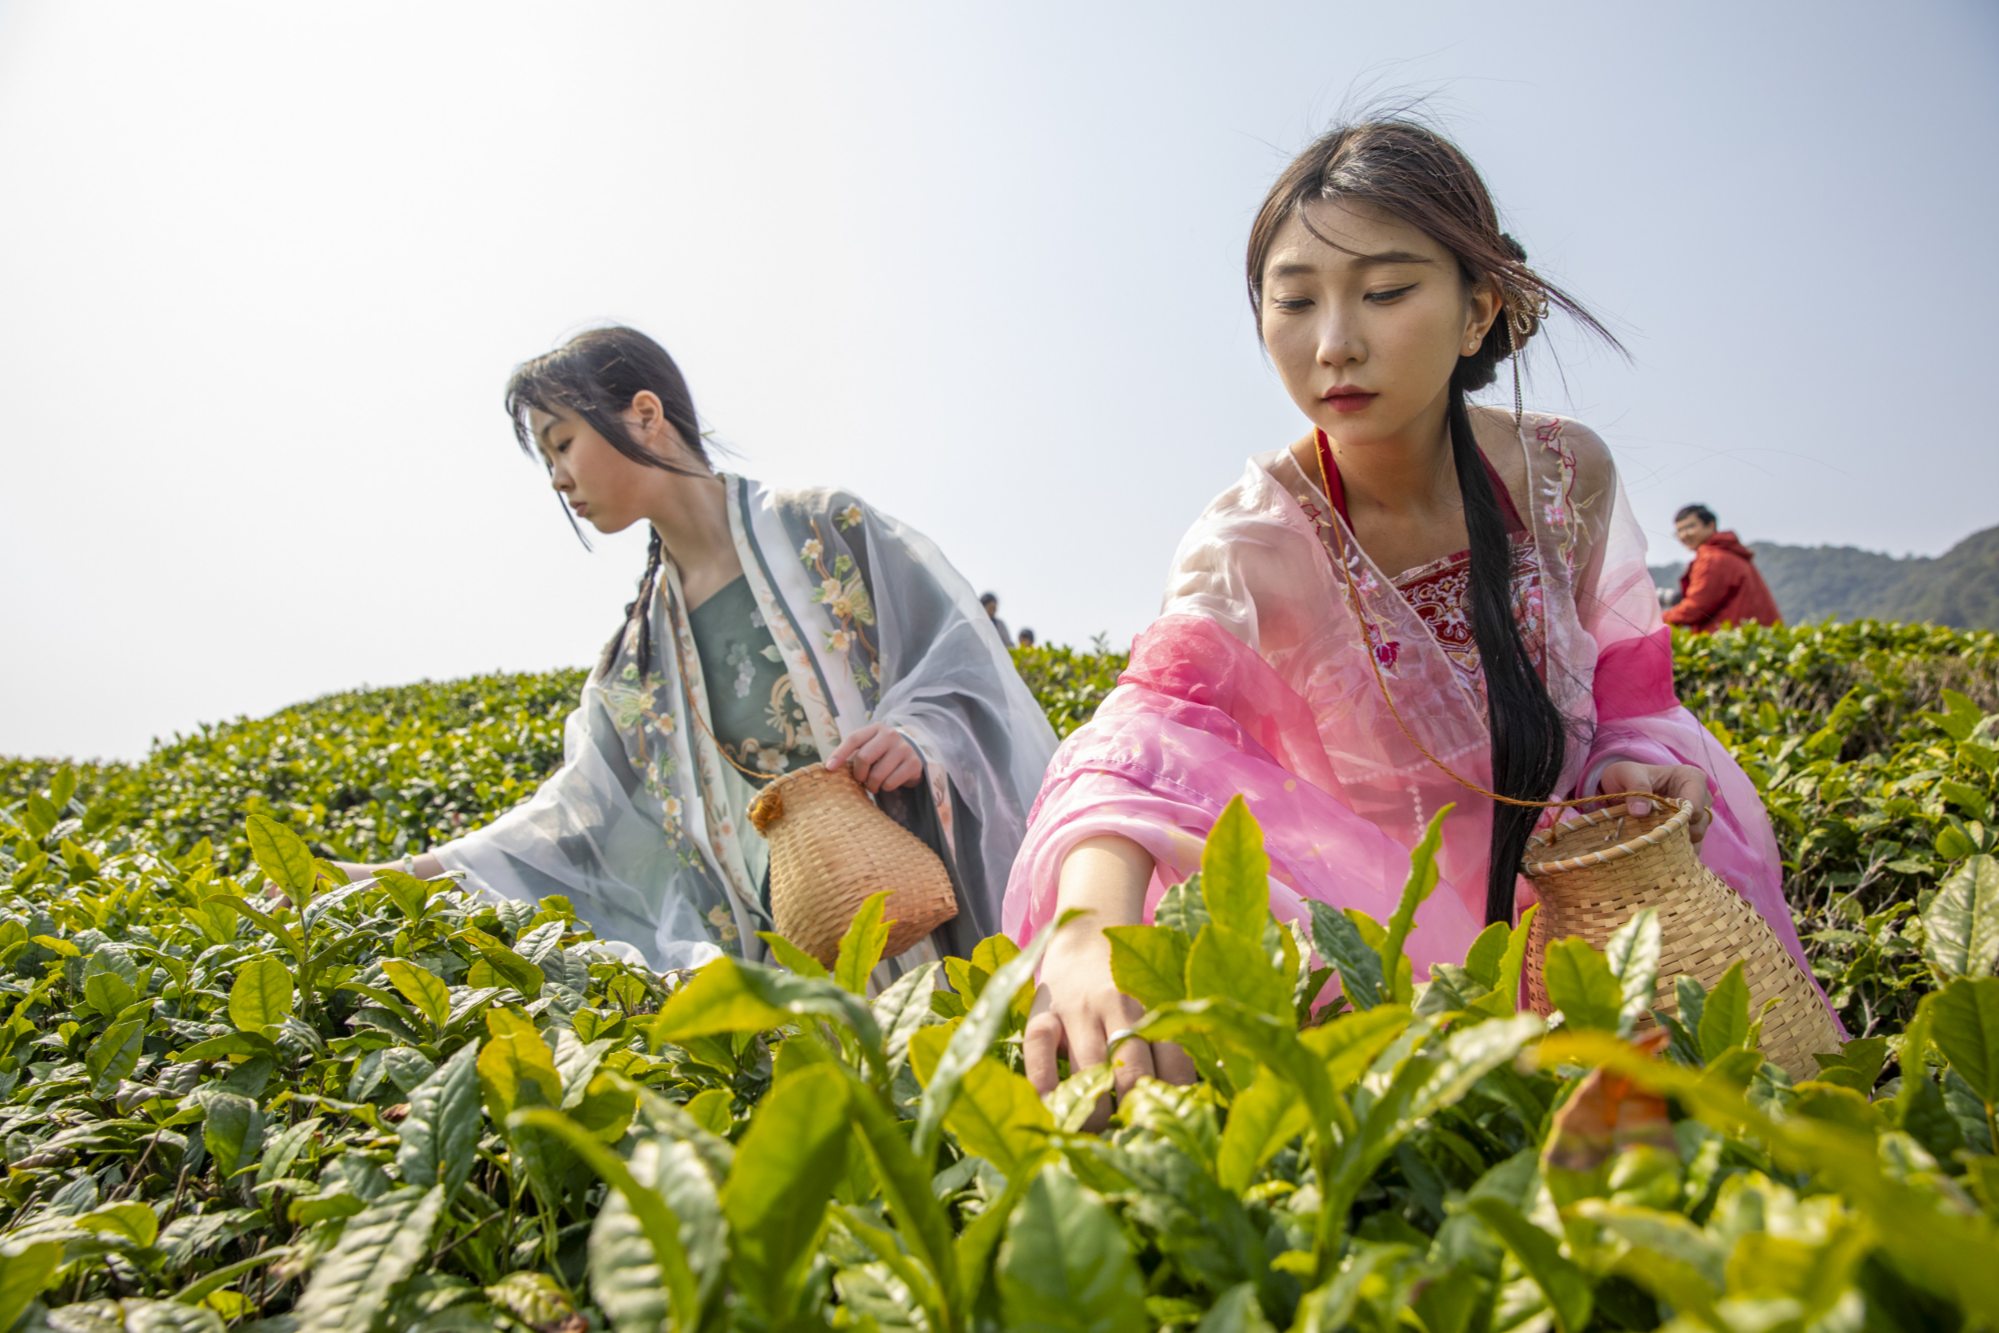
644, 827
1256, 680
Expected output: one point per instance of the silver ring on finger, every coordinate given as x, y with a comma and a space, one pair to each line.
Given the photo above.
1120, 1035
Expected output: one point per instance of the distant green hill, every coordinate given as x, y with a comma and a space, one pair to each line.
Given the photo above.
1959, 588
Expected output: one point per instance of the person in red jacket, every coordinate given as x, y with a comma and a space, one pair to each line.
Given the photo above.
1721, 585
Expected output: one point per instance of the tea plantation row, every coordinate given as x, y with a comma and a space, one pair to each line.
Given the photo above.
393, 1108
1870, 742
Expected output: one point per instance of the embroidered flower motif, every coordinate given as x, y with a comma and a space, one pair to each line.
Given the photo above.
746, 670
1386, 653
839, 641
724, 923
627, 705
828, 590
812, 550
848, 517
671, 805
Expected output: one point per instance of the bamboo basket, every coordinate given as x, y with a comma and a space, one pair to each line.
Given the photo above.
830, 849
1596, 872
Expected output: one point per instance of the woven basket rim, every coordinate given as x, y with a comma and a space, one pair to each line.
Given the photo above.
1630, 847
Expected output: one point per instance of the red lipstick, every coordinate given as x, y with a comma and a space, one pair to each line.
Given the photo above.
1347, 398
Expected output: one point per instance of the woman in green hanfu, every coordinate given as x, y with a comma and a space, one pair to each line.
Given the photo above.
773, 629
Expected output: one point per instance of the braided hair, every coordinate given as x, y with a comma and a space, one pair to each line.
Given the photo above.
1416, 175
595, 376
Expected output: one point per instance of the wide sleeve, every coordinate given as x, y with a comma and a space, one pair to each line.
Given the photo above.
1197, 719
941, 675
594, 833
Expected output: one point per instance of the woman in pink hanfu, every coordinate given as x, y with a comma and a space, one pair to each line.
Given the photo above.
1479, 567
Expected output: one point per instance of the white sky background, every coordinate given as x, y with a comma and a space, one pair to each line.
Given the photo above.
264, 270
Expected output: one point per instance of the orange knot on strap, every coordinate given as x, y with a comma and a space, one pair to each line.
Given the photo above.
766, 809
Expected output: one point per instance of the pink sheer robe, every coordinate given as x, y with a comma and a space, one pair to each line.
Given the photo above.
1255, 680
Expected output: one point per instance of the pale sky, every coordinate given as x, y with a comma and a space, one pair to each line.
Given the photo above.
264, 271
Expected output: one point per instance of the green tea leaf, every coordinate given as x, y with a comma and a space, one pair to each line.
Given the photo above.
232, 1129
656, 1219
711, 1111
789, 955
1225, 963
1564, 1285
728, 996
1581, 985
1182, 907
1262, 1119
903, 1008
141, 1315
1487, 954
906, 1189
792, 1153
422, 988
278, 929
1660, 1235
1416, 890
114, 1055
1339, 942
107, 992
1633, 954
861, 947
515, 970
1725, 1014
1065, 1263
998, 1116
515, 1067
1952, 843
440, 1135
1961, 924
129, 1221
23, 1275
993, 952
283, 857
1149, 963
379, 1247
974, 1036
1965, 1018
1968, 799
262, 995
1235, 873
407, 892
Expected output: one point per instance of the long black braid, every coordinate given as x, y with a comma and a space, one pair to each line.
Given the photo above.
1529, 733
655, 553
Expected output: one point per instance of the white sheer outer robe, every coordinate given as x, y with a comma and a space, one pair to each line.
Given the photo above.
1256, 681
644, 826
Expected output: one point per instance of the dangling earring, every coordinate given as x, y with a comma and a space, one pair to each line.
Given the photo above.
1520, 321
1519, 404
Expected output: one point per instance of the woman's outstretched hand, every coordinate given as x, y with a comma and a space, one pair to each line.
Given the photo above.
1078, 1009
1674, 782
880, 758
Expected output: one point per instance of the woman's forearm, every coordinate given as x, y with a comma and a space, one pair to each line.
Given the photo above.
1105, 877
424, 866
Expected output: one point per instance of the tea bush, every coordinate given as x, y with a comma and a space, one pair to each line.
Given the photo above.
1851, 732
386, 1106
392, 1107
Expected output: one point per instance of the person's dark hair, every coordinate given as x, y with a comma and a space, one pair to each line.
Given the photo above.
1416, 175
988, 599
596, 375
1701, 512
